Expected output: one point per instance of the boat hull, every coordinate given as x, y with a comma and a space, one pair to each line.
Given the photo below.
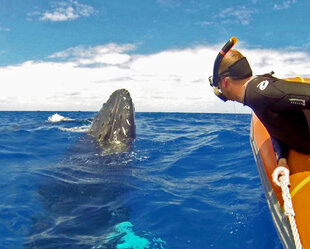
266, 162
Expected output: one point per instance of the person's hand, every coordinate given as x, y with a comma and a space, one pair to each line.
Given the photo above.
281, 170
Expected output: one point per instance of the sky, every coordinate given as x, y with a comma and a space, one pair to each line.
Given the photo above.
70, 55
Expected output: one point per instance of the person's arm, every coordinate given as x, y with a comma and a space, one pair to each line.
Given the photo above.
281, 151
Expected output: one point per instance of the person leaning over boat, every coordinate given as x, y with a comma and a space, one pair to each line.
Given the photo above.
282, 106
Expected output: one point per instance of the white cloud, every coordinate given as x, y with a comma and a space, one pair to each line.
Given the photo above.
284, 4
174, 80
240, 14
109, 54
65, 11
169, 3
284, 63
4, 29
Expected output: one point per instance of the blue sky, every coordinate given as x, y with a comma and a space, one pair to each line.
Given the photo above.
72, 54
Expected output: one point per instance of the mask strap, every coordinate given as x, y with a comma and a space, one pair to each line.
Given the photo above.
240, 69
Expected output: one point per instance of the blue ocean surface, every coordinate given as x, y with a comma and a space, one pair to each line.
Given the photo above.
188, 181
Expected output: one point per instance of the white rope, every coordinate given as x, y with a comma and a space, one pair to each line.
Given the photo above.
289, 210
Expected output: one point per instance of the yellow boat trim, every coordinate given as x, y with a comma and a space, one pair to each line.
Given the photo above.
300, 186
301, 79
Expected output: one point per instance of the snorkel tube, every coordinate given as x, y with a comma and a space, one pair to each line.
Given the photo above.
214, 80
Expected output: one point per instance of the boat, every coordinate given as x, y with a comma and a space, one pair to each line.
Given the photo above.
299, 178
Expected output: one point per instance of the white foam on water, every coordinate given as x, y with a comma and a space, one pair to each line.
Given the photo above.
81, 129
55, 118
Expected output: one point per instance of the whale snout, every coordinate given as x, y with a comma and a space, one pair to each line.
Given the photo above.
115, 122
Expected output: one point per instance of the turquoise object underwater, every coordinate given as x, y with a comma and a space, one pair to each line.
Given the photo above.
130, 239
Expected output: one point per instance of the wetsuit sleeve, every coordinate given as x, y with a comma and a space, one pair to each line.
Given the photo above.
280, 149
278, 94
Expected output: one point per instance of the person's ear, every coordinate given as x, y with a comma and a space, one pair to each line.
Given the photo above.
225, 82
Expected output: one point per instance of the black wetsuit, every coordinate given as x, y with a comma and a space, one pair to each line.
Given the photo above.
281, 105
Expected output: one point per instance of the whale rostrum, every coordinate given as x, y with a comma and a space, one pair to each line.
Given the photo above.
115, 122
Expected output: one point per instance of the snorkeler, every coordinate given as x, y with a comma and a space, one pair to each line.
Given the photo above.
282, 106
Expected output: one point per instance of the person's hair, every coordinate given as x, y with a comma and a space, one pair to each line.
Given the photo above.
230, 58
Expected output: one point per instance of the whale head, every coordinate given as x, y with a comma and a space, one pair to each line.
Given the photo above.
115, 122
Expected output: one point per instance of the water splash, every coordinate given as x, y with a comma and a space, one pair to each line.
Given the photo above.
55, 118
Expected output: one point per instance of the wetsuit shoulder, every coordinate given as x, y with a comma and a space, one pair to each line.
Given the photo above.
277, 93
260, 91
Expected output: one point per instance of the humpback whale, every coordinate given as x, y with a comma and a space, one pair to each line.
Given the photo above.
115, 122
82, 196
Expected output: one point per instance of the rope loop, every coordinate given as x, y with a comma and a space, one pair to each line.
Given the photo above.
289, 210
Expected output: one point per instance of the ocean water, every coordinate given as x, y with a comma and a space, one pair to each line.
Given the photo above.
188, 181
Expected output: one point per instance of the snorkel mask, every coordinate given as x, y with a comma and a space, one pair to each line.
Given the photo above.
238, 70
